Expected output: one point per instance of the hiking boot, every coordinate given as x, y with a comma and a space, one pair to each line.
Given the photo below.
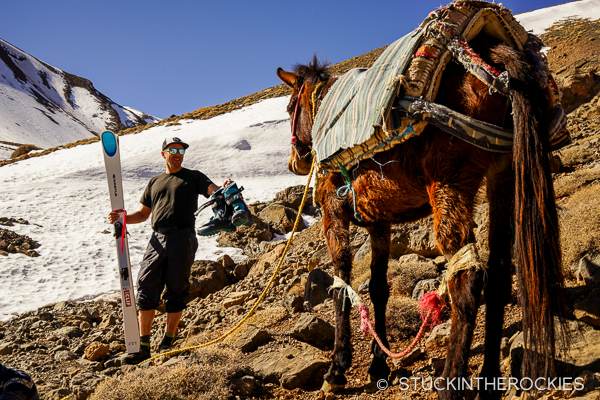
241, 213
220, 222
166, 343
136, 358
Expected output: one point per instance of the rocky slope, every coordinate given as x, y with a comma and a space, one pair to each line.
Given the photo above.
283, 350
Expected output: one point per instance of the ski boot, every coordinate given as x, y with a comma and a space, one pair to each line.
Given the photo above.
241, 213
142, 355
221, 221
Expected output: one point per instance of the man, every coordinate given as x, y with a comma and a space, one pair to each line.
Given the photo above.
16, 385
172, 199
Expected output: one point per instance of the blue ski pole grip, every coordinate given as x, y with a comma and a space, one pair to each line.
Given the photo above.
109, 142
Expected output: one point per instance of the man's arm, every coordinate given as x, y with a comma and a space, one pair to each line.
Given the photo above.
212, 187
133, 218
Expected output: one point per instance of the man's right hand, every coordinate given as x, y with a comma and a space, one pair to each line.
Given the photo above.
113, 217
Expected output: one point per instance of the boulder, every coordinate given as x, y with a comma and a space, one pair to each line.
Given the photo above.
281, 218
290, 367
439, 337
96, 351
235, 298
425, 286
588, 310
588, 269
252, 338
416, 237
293, 303
317, 286
265, 261
314, 331
207, 277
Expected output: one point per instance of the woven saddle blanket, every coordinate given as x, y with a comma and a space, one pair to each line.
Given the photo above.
366, 111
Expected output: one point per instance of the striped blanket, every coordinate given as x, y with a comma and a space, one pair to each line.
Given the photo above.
358, 101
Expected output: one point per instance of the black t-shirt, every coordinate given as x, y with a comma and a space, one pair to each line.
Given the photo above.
173, 198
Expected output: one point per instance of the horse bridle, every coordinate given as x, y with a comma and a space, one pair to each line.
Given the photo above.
294, 140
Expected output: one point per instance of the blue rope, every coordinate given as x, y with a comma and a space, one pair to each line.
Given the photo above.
381, 166
343, 191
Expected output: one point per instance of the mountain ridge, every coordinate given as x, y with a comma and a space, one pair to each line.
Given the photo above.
36, 98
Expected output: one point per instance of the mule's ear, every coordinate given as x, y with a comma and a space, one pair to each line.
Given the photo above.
289, 78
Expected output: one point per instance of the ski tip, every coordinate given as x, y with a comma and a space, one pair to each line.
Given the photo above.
109, 143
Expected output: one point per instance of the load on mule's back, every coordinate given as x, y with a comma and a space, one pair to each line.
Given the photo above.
392, 145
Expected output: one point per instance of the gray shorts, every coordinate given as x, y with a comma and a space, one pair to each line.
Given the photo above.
167, 262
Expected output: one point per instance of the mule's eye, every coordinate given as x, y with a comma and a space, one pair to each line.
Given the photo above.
292, 106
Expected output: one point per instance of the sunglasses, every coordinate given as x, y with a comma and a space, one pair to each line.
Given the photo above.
174, 151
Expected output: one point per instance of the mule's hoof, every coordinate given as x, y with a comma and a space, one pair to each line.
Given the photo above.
331, 387
375, 384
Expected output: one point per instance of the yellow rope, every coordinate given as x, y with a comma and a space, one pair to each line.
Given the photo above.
264, 293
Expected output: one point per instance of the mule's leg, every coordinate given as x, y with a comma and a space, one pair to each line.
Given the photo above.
500, 189
452, 204
337, 235
379, 292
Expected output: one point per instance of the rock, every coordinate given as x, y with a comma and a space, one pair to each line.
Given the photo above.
439, 337
242, 145
96, 351
416, 237
582, 352
281, 218
290, 367
293, 303
64, 355
265, 261
107, 322
243, 386
425, 286
588, 269
320, 256
69, 332
292, 197
207, 277
588, 310
363, 252
316, 290
241, 269
409, 358
5, 349
363, 288
313, 330
226, 261
235, 298
252, 338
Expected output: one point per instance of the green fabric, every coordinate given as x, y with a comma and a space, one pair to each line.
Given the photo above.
360, 100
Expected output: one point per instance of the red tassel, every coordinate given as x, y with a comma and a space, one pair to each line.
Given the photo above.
432, 302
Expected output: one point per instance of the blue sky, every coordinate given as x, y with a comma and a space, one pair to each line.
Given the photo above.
173, 57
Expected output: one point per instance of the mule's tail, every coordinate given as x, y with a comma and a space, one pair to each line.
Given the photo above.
537, 242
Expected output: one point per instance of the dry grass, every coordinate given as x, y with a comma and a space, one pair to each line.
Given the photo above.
403, 318
580, 224
202, 376
404, 278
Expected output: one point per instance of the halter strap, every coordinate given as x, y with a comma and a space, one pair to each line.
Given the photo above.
294, 136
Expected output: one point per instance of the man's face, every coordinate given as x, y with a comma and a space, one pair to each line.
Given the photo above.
173, 159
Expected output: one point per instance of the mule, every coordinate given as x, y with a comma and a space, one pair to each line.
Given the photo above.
434, 173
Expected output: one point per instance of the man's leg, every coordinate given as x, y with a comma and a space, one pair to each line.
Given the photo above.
146, 319
172, 322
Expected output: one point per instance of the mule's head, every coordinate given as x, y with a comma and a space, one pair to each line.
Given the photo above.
309, 83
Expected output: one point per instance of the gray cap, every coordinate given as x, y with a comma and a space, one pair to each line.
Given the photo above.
174, 140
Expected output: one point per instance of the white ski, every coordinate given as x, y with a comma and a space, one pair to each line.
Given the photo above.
112, 161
